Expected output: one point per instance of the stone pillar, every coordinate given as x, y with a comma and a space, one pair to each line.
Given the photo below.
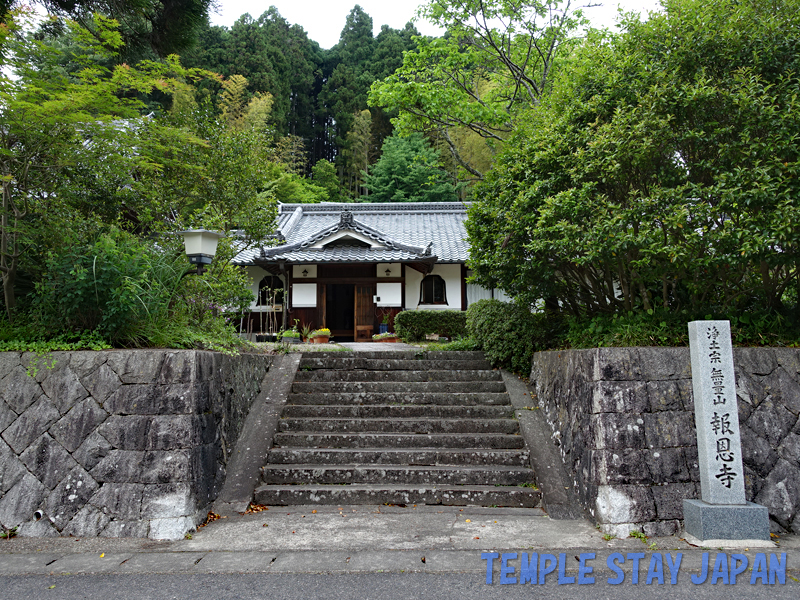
723, 513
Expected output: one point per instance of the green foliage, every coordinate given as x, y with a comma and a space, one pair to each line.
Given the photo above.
46, 160
160, 26
414, 325
662, 175
132, 292
464, 344
663, 328
496, 60
317, 93
408, 171
324, 176
119, 287
509, 334
293, 189
85, 341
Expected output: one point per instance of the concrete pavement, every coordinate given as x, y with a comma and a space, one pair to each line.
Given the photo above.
355, 539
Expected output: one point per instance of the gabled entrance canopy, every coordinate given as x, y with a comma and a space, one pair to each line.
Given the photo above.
348, 241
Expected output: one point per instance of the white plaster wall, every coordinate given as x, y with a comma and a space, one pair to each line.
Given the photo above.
256, 274
304, 295
476, 292
390, 294
452, 281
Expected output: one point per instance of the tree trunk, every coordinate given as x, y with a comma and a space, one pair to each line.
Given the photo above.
8, 259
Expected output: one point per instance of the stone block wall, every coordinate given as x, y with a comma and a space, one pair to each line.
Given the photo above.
123, 443
623, 419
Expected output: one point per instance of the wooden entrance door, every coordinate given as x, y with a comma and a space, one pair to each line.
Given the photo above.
365, 312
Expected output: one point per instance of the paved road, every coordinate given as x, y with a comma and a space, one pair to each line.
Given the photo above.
355, 587
362, 552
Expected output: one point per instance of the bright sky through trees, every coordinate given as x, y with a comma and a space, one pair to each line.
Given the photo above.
323, 19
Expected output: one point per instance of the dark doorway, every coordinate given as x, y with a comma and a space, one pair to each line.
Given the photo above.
340, 302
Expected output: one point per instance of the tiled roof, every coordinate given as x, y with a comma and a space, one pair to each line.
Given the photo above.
406, 231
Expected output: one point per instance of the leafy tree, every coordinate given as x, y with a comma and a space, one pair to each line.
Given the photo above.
290, 151
163, 27
324, 175
495, 61
408, 171
662, 175
344, 93
46, 119
276, 58
355, 156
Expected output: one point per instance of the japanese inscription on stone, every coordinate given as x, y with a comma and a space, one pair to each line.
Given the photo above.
719, 447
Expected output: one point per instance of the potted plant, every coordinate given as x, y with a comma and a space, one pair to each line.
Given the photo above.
387, 337
290, 337
320, 336
305, 332
384, 325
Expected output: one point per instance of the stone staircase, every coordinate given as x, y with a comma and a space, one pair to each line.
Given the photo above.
398, 427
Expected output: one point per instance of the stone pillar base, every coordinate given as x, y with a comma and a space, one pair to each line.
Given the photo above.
706, 521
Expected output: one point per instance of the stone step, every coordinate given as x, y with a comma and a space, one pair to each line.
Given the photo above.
395, 475
433, 425
330, 375
391, 411
399, 456
450, 495
376, 364
395, 387
402, 398
398, 440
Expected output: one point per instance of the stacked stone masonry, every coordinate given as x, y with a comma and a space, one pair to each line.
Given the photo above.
623, 419
127, 443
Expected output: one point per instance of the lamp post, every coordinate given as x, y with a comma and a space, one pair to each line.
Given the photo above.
201, 246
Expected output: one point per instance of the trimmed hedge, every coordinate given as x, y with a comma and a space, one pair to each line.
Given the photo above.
414, 325
509, 334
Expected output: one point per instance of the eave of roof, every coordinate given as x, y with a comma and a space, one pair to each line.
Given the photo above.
407, 232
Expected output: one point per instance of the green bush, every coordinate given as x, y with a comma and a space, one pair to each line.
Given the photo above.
133, 292
662, 328
509, 333
414, 325
116, 285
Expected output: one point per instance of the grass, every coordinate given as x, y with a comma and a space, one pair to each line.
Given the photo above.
461, 344
639, 536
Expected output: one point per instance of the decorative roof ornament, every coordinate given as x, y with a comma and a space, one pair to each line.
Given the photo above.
428, 249
346, 218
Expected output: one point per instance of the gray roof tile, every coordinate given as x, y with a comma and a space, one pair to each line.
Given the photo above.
406, 228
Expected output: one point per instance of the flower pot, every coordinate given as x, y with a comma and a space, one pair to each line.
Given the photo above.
383, 328
320, 339
292, 340
388, 340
